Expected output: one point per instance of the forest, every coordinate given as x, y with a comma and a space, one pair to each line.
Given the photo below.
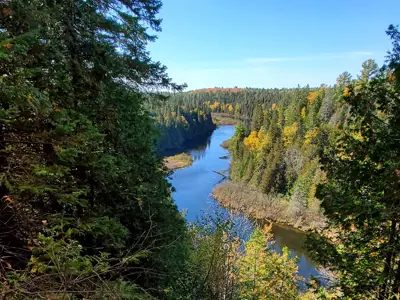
179, 123
86, 207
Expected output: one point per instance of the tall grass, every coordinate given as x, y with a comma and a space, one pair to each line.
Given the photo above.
239, 197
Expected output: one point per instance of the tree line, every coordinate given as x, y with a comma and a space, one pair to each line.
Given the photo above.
85, 207
330, 151
333, 150
179, 124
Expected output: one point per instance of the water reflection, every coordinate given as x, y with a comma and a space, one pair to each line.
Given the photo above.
200, 144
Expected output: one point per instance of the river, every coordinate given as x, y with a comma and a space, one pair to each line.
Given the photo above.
194, 184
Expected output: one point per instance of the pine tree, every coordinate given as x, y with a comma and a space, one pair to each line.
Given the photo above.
361, 196
78, 175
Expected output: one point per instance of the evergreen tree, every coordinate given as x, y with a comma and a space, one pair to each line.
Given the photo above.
361, 197
83, 191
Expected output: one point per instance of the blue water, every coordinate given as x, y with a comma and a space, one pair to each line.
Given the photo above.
193, 187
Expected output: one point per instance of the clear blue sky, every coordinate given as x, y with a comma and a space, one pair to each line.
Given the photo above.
271, 43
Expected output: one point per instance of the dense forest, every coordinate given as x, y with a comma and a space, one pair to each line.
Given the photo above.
179, 124
86, 210
338, 145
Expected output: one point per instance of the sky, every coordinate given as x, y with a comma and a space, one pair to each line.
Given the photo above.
271, 43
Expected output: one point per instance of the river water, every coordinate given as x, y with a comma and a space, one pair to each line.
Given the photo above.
193, 186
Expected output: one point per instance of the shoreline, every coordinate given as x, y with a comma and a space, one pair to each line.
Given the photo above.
178, 161
221, 119
264, 208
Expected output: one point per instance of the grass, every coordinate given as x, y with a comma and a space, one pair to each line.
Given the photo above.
178, 161
241, 198
223, 119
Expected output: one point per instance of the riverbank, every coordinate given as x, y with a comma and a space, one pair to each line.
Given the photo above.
180, 137
178, 161
193, 186
259, 206
225, 144
223, 119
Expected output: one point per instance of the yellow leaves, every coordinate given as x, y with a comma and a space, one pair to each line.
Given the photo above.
264, 139
343, 156
303, 113
311, 97
274, 106
310, 136
230, 108
215, 105
257, 141
289, 133
34, 261
346, 92
251, 141
357, 136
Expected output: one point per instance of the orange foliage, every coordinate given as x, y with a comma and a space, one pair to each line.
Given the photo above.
215, 105
311, 97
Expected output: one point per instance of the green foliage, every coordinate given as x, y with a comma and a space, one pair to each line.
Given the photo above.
179, 121
279, 155
57, 269
361, 195
264, 274
220, 266
82, 192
